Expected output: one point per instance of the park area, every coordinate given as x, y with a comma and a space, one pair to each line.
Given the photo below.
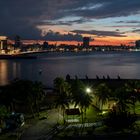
73, 109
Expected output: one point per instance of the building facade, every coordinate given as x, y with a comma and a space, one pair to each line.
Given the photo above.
17, 42
3, 43
137, 43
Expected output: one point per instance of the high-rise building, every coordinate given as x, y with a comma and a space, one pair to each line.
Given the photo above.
45, 44
137, 43
3, 43
17, 42
86, 42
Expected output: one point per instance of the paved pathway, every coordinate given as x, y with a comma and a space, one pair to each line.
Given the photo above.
43, 129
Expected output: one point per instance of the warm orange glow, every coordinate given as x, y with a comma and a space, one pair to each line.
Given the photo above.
111, 41
97, 41
3, 37
3, 72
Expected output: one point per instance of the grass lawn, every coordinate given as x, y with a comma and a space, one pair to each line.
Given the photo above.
137, 108
92, 114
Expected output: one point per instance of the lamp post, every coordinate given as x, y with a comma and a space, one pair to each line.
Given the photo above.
88, 90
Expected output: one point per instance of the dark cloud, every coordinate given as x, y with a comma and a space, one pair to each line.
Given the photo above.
56, 36
136, 31
117, 30
60, 22
23, 16
107, 8
124, 26
130, 21
100, 33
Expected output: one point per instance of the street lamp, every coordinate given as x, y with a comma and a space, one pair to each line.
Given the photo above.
88, 90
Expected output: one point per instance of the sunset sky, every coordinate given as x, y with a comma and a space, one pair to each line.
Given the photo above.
67, 21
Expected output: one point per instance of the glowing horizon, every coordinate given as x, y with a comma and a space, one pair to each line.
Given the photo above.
95, 42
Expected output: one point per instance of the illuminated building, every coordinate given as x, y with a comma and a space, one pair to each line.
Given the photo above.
3, 43
137, 44
45, 45
17, 42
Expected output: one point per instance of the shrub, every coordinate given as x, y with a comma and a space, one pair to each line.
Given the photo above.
120, 120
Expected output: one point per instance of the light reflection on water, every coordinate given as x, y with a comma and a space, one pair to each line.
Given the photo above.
3, 72
125, 64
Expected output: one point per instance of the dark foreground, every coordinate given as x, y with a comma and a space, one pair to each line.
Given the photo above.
104, 137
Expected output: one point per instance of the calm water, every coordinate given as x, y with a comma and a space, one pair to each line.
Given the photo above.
52, 65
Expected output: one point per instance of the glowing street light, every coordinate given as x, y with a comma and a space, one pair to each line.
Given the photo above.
88, 90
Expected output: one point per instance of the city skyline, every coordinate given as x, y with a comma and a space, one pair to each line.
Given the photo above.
63, 21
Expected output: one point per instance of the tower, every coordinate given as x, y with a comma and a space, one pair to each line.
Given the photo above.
17, 42
3, 43
45, 44
137, 43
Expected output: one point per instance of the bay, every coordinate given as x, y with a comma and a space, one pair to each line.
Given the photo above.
48, 66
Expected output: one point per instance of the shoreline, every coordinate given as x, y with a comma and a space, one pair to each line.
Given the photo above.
17, 56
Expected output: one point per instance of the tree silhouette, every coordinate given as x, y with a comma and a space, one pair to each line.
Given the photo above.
80, 97
63, 92
102, 93
133, 91
20, 92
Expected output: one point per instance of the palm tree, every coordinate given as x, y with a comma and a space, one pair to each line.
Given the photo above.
62, 101
122, 96
6, 98
37, 93
28, 93
22, 91
83, 100
133, 90
59, 85
80, 97
102, 93
77, 87
63, 96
